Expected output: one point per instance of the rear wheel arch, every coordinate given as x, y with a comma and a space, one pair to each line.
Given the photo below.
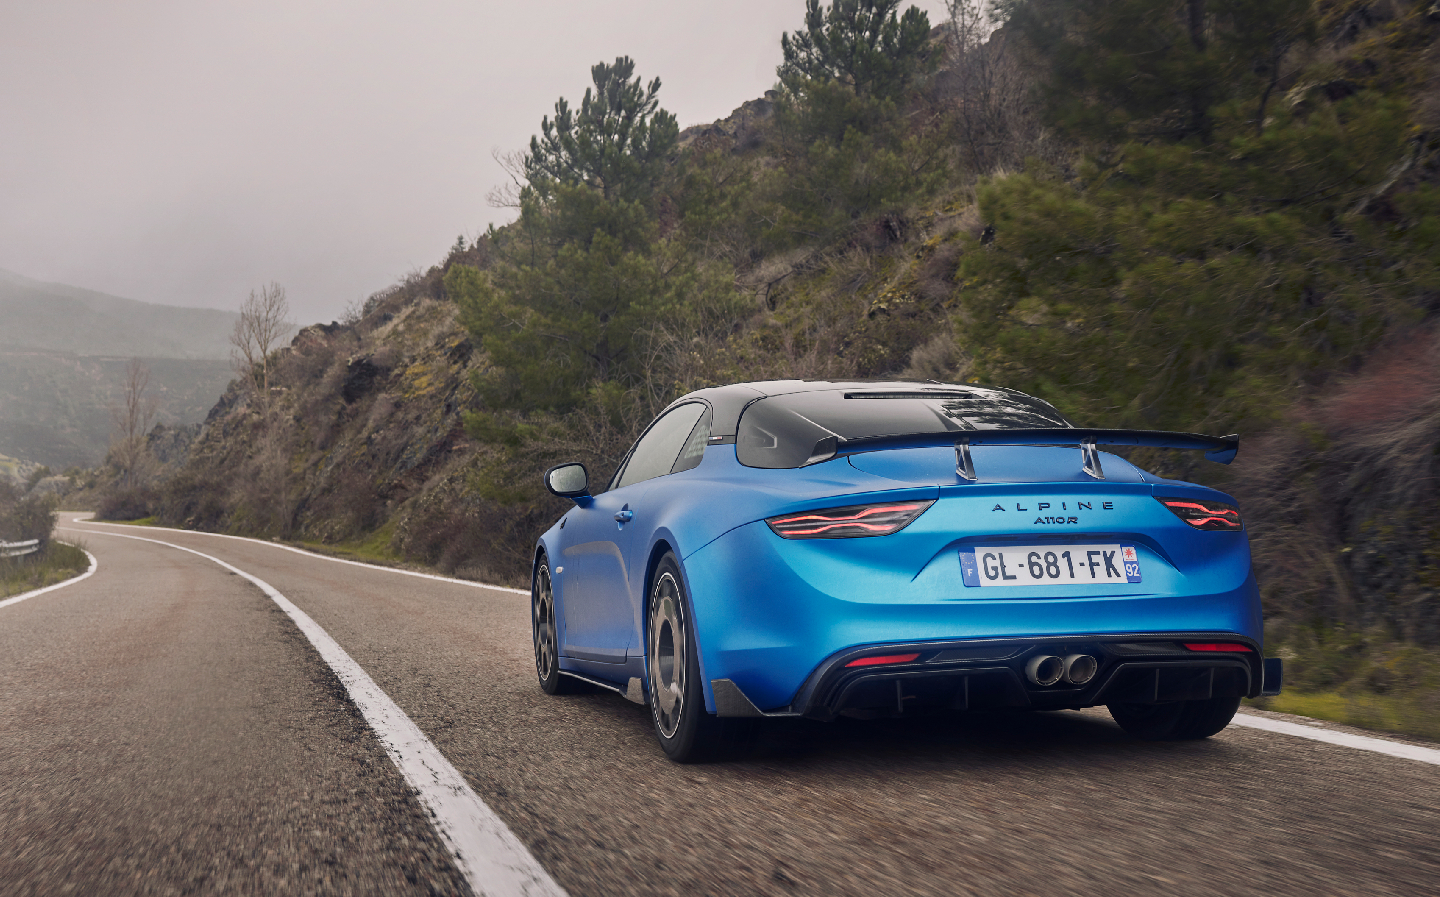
661, 548
658, 551
686, 728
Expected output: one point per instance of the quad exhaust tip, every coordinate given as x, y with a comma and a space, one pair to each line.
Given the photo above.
1080, 668
1045, 669
1074, 669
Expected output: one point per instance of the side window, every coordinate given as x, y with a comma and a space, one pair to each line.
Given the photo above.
656, 452
694, 448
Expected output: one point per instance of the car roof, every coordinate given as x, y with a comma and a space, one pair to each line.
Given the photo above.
728, 402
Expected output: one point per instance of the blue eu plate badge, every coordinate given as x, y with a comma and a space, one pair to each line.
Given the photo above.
967, 569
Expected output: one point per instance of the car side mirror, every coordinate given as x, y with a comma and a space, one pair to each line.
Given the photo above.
570, 481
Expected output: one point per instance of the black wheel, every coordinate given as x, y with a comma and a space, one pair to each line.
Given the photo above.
1175, 720
542, 625
1201, 719
685, 730
1152, 722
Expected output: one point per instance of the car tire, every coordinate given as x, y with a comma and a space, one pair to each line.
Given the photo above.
1152, 722
544, 633
675, 693
1175, 720
1201, 719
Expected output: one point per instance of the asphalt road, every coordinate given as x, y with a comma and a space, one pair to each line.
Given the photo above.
165, 729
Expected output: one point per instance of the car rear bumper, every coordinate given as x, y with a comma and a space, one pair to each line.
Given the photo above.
770, 616
976, 674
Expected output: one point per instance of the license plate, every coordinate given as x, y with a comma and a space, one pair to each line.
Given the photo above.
1048, 565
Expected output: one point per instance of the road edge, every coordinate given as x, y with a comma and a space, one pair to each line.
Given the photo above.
313, 554
1393, 748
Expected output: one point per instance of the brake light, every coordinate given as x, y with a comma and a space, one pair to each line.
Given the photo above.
1217, 646
882, 659
849, 522
1204, 514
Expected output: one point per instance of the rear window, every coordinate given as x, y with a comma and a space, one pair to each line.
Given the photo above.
789, 430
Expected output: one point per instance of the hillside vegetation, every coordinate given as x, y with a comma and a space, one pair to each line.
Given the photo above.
1202, 215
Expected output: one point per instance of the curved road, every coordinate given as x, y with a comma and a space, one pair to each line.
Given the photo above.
165, 728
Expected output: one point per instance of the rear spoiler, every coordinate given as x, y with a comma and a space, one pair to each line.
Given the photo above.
1221, 449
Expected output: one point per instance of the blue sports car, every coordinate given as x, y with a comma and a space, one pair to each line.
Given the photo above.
815, 549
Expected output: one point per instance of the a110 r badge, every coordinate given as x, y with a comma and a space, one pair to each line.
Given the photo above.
1035, 565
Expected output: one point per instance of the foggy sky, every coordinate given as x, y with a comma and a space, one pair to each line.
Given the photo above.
183, 153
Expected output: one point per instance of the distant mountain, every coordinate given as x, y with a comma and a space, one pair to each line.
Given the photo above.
39, 315
63, 352
55, 406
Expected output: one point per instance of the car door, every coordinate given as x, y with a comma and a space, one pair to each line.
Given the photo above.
600, 549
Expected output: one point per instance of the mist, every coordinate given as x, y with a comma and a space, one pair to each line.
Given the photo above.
187, 153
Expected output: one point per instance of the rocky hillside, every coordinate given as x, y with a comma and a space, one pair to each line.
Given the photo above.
363, 444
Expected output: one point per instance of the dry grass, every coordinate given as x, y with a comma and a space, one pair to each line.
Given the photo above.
1416, 714
56, 562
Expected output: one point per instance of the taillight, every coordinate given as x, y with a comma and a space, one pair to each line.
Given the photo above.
849, 522
1204, 514
1217, 646
882, 659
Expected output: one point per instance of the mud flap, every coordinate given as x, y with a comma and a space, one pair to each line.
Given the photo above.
1274, 673
731, 701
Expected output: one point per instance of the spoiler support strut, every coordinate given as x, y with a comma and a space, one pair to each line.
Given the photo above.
1220, 449
1090, 459
964, 464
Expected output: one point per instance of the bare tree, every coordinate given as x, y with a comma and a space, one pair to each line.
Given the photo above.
264, 322
130, 422
988, 87
507, 195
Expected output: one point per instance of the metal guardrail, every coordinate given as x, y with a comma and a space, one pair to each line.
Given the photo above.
16, 549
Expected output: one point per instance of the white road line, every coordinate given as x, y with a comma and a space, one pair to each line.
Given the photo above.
1344, 739
59, 585
489, 855
312, 554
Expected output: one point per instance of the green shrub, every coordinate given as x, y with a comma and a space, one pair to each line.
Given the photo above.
25, 516
56, 562
127, 504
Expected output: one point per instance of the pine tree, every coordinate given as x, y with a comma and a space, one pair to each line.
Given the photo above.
861, 44
617, 143
584, 275
1155, 68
